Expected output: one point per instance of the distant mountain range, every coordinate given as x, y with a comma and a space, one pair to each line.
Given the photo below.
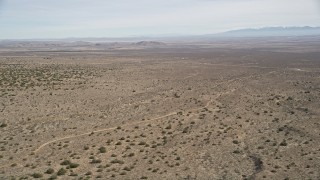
240, 33
272, 31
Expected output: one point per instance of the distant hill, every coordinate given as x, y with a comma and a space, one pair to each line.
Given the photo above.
272, 31
149, 43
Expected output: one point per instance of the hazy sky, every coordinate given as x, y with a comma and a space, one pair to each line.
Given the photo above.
115, 18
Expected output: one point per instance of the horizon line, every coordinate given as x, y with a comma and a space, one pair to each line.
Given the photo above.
168, 35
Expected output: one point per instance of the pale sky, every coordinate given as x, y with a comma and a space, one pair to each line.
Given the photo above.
126, 18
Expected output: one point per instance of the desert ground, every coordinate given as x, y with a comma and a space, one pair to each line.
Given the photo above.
246, 109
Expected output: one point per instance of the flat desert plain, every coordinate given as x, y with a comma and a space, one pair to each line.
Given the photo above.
246, 109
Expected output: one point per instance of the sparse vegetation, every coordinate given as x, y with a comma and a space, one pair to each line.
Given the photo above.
132, 114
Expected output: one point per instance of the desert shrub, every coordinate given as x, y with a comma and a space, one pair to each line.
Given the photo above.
37, 175
283, 143
61, 172
123, 173
53, 177
65, 162
235, 142
185, 130
142, 143
49, 171
169, 126
102, 150
95, 161
118, 143
73, 165
236, 152
88, 173
73, 174
117, 161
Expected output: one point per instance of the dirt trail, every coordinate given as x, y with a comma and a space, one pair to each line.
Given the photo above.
101, 130
132, 124
153, 119
113, 128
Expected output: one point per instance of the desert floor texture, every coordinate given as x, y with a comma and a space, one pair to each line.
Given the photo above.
242, 110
